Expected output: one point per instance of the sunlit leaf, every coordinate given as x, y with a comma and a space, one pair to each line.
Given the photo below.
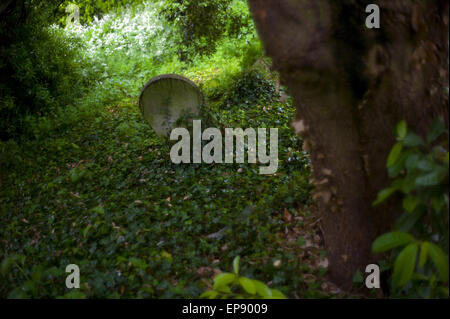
276, 294
262, 289
223, 279
248, 285
211, 294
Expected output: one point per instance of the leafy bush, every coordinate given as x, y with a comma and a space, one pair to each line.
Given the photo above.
420, 238
41, 69
251, 87
253, 52
232, 285
90, 9
201, 24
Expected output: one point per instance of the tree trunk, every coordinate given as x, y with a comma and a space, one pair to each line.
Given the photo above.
351, 85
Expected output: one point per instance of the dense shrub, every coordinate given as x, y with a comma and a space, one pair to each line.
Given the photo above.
41, 69
419, 240
201, 24
251, 87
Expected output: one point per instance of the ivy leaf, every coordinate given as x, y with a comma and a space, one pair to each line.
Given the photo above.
99, 210
301, 241
6, 265
86, 230
391, 240
404, 265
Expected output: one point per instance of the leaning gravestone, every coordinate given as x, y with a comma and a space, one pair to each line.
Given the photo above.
166, 98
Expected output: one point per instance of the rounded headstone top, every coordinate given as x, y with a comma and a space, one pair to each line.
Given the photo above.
165, 98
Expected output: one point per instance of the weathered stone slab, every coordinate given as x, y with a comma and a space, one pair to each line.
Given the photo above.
165, 98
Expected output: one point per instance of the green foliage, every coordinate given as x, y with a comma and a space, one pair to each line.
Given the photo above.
421, 235
233, 285
251, 87
89, 9
107, 198
252, 54
200, 24
91, 184
41, 69
33, 281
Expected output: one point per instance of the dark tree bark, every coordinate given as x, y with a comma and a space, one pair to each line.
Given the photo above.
351, 85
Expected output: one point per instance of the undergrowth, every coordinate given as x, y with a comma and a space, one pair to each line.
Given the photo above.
91, 184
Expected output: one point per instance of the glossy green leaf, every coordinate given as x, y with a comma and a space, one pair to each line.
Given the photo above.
262, 289
440, 260
210, 294
223, 279
404, 265
391, 240
276, 294
394, 154
248, 285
